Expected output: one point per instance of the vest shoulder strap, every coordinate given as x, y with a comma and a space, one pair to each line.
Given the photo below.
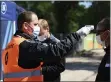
18, 39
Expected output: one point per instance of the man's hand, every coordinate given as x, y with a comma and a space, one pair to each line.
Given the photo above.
85, 30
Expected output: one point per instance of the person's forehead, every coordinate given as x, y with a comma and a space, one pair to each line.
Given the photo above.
34, 18
39, 21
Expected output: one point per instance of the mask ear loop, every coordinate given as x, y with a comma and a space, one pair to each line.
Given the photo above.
108, 35
29, 26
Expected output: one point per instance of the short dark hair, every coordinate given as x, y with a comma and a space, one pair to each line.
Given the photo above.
104, 23
25, 16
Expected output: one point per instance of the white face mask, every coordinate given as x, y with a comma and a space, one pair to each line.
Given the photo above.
36, 31
42, 37
98, 38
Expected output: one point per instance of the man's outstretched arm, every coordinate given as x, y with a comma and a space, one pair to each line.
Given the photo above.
31, 51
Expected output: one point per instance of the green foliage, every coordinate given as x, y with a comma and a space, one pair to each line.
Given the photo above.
62, 11
98, 11
76, 18
68, 16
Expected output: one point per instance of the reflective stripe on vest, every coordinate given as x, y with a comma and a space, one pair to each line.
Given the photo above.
22, 74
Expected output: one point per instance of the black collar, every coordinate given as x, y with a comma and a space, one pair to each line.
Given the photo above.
26, 36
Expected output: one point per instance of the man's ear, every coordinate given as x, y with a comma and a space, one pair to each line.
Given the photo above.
107, 32
25, 26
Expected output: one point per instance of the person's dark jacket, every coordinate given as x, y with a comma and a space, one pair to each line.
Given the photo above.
104, 68
32, 52
52, 70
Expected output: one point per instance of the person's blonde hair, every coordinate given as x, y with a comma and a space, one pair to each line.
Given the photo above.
43, 23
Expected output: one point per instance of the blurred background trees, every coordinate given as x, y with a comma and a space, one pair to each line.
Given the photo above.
68, 16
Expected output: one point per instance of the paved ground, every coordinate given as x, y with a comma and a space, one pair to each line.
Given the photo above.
82, 68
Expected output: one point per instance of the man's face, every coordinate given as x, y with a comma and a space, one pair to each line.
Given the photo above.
102, 32
102, 35
32, 25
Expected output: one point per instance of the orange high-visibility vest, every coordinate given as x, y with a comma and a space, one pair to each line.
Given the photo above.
13, 72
